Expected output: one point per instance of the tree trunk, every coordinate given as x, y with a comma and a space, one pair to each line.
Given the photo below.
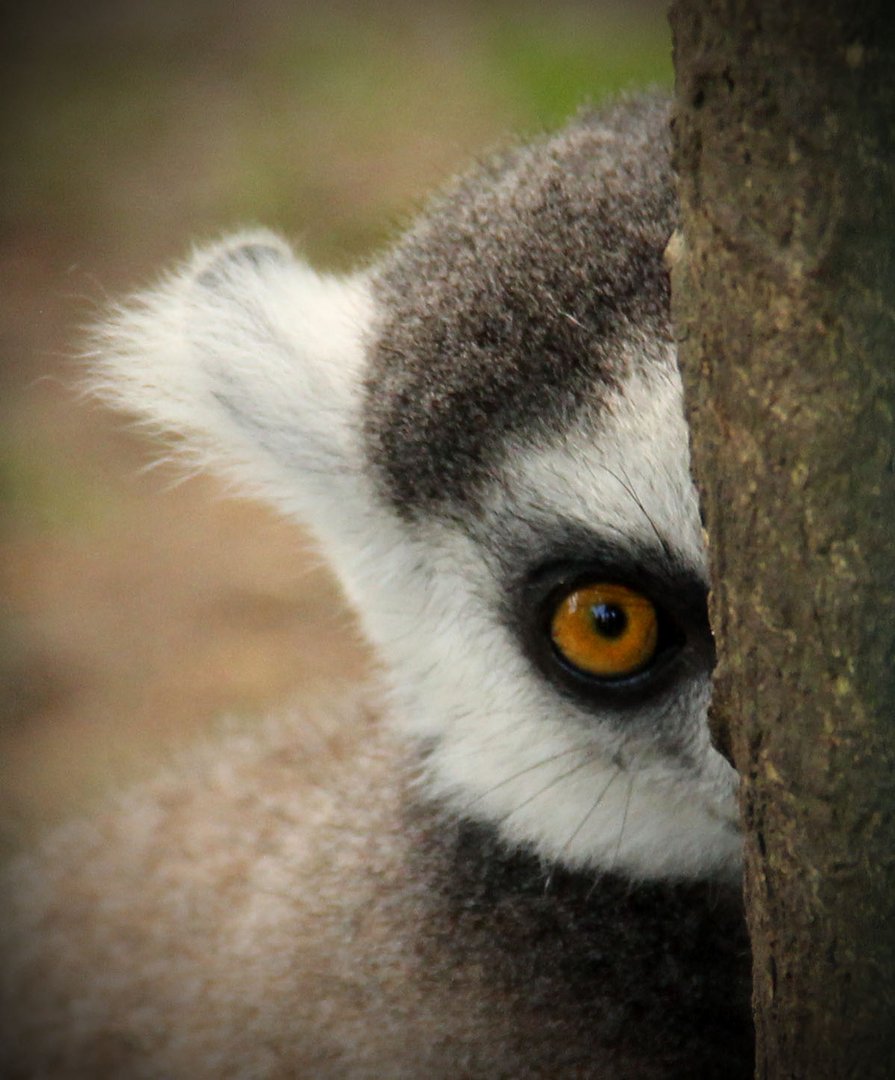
784, 286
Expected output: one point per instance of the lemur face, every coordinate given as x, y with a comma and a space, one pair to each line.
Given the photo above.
485, 429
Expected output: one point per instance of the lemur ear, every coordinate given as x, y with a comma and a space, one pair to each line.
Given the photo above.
253, 360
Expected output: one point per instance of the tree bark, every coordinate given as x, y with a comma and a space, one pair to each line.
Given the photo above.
784, 284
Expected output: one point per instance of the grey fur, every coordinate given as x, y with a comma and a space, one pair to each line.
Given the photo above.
507, 305
653, 980
418, 947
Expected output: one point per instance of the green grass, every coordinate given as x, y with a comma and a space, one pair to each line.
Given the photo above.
327, 122
550, 63
43, 493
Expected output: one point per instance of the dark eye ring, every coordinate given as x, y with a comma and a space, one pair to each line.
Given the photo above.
614, 633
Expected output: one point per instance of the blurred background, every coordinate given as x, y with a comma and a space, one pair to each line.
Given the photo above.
136, 610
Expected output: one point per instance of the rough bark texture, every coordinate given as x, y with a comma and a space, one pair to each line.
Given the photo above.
784, 284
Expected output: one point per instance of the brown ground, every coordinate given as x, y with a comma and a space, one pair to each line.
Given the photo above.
135, 614
139, 611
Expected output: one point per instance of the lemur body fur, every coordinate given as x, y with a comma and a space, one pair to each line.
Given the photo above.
502, 866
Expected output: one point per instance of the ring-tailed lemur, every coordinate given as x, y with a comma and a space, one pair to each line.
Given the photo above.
524, 863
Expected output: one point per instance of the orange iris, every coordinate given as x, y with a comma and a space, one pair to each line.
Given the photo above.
605, 630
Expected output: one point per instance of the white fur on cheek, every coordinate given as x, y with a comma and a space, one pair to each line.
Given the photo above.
508, 748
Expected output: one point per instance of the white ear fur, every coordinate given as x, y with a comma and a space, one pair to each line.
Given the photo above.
252, 358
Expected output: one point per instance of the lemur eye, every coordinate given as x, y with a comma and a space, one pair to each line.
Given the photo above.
605, 630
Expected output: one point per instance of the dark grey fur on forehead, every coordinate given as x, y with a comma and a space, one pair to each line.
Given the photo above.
506, 308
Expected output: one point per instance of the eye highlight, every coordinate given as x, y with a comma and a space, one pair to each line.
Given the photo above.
605, 630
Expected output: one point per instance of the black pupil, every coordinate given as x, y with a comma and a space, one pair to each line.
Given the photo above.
609, 620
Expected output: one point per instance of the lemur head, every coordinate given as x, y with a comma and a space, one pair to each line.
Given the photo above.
485, 430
